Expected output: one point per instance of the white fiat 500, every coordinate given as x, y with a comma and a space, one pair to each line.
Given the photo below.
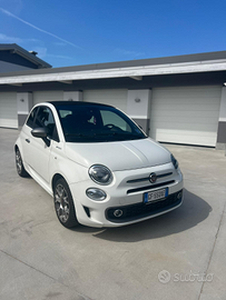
100, 167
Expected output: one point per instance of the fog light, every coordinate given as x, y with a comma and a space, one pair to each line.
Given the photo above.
96, 194
179, 195
118, 213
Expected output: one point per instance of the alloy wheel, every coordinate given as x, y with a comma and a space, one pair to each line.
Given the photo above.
62, 203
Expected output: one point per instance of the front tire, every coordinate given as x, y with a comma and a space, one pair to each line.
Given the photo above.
64, 205
19, 164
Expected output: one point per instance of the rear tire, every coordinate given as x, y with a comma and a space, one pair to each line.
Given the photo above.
19, 164
64, 205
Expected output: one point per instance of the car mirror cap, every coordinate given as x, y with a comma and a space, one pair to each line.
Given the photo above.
39, 132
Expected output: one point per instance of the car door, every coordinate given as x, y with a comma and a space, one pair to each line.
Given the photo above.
26, 138
38, 155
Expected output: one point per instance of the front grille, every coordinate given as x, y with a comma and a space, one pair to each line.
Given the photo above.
150, 187
147, 178
141, 210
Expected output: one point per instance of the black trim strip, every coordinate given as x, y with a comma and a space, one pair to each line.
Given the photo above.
137, 180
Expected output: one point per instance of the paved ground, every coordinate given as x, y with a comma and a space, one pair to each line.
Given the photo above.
40, 259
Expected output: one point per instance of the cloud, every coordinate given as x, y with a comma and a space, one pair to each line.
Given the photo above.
59, 56
9, 39
6, 12
42, 51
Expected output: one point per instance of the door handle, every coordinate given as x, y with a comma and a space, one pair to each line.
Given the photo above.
27, 140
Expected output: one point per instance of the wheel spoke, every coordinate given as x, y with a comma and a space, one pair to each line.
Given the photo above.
66, 200
18, 162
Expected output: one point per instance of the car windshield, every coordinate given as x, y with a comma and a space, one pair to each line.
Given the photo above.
89, 123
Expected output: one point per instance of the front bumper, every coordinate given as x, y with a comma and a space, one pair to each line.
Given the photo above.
126, 194
141, 210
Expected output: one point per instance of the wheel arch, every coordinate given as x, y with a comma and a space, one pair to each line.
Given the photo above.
55, 178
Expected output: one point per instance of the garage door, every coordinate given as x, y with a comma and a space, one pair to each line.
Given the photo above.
187, 115
8, 110
117, 98
43, 96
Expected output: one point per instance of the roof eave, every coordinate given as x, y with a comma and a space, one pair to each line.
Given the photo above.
133, 72
25, 54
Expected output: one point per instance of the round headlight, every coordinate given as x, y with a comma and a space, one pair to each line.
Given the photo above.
100, 174
174, 161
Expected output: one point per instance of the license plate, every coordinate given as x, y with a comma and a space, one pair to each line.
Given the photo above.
155, 195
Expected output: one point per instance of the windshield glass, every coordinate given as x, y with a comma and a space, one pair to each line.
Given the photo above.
96, 123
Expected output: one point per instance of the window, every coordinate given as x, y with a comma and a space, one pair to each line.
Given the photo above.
46, 120
90, 123
109, 117
30, 121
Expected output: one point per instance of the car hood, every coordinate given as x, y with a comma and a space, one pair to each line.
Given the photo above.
119, 156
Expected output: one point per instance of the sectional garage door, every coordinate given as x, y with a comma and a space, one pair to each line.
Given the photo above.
187, 115
8, 110
117, 97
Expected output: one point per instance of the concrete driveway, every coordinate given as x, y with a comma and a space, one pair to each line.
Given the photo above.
180, 255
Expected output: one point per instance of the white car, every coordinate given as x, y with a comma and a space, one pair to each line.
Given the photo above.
100, 167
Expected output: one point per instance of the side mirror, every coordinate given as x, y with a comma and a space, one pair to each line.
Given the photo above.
39, 132
42, 133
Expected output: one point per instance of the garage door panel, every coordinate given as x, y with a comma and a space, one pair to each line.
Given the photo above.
197, 137
187, 106
208, 92
185, 115
8, 110
185, 126
196, 116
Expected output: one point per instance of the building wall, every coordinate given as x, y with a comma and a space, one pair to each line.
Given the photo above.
188, 115
13, 62
115, 97
10, 67
221, 133
42, 96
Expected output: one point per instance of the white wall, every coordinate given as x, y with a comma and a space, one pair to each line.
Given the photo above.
42, 96
115, 97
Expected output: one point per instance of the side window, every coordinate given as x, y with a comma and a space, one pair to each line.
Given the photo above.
45, 119
30, 121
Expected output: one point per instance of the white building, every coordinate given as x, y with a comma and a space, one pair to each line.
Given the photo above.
180, 99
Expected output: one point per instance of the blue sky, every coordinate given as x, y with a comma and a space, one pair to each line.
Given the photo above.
72, 32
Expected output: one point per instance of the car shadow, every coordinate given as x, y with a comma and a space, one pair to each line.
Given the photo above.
193, 211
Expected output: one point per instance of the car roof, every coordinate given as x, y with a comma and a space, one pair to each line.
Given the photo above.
76, 103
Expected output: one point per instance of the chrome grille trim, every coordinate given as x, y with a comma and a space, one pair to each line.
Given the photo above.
147, 178
150, 187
